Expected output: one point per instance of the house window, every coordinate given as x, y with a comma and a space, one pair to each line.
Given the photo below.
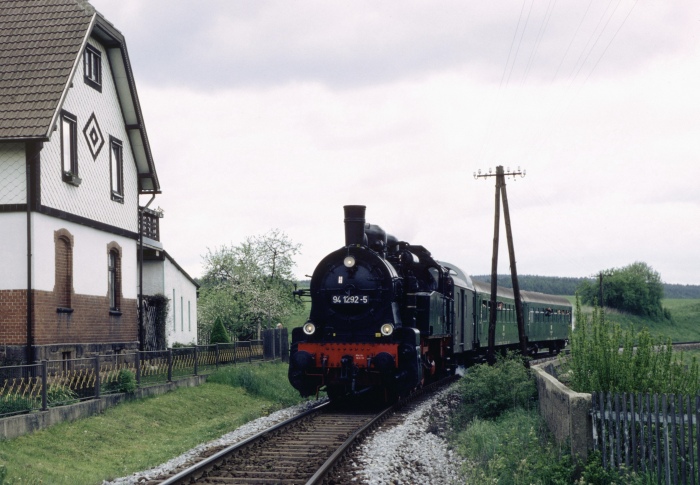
92, 67
69, 148
174, 312
67, 362
114, 279
182, 314
116, 169
64, 272
189, 317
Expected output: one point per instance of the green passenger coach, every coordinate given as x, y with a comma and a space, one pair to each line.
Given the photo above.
547, 318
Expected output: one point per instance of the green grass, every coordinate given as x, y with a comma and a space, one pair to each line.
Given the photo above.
513, 449
685, 326
138, 435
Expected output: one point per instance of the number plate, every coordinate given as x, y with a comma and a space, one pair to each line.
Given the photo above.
350, 300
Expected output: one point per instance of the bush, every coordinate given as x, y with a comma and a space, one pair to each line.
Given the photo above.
126, 381
14, 405
219, 335
487, 391
180, 345
61, 396
636, 289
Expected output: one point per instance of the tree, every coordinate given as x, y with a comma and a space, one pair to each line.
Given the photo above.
218, 333
636, 289
249, 285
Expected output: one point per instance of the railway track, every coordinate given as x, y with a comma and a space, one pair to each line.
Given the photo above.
302, 450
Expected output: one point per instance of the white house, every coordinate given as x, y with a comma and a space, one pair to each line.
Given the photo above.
162, 275
74, 160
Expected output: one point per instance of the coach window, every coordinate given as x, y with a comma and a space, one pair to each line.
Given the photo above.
92, 67
69, 148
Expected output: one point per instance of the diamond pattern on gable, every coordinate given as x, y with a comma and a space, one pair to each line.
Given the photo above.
93, 136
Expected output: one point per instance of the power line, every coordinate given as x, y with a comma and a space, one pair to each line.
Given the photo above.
540, 34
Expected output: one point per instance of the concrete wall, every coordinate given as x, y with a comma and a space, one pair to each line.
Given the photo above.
15, 426
566, 412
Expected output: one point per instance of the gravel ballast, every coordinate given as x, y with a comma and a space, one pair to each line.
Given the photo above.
414, 451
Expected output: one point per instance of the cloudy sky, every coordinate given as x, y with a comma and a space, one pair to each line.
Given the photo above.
275, 114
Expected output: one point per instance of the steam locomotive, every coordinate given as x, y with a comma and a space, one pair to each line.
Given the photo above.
385, 315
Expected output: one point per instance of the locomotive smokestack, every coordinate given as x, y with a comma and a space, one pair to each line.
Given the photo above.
354, 224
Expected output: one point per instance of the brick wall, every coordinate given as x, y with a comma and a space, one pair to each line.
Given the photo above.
90, 322
13, 317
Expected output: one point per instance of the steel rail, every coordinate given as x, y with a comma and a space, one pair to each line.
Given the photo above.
201, 469
340, 453
213, 460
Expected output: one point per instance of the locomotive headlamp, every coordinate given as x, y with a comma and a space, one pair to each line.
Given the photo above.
309, 328
387, 329
349, 261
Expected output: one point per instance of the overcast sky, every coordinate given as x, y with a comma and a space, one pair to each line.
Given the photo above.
275, 114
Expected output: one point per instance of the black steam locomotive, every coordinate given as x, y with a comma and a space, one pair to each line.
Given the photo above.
387, 316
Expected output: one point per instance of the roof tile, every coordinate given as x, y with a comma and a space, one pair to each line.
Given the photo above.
39, 42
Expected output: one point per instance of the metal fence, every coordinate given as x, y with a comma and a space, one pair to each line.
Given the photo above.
654, 434
26, 388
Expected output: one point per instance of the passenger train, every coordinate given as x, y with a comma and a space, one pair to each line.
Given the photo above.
385, 315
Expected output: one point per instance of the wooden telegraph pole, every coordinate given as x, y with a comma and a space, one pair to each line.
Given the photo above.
501, 193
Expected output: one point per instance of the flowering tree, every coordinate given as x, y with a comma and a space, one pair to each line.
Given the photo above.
249, 286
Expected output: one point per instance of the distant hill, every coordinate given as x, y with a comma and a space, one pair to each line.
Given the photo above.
555, 285
681, 291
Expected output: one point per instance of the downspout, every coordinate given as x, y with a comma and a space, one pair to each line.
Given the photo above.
32, 152
142, 333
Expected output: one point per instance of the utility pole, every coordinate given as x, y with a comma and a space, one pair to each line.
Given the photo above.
601, 275
501, 194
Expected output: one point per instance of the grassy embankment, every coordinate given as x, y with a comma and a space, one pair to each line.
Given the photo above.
138, 435
515, 447
685, 326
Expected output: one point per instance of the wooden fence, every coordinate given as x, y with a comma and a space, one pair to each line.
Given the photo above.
653, 434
